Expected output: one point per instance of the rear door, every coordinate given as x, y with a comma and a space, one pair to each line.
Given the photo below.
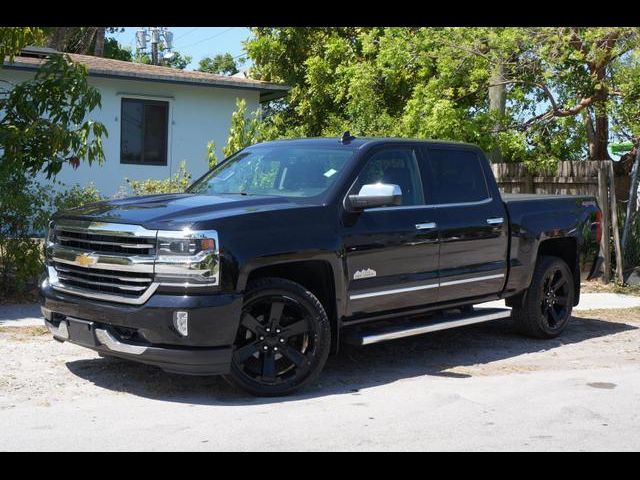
471, 220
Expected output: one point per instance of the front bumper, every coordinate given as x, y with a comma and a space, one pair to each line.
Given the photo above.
146, 333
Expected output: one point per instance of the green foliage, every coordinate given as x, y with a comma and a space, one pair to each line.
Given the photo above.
76, 196
434, 83
113, 49
14, 39
44, 124
178, 60
175, 184
245, 129
221, 64
25, 209
212, 158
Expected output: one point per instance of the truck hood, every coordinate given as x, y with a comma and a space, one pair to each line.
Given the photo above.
174, 211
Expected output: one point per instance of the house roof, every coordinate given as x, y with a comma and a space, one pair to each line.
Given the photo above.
110, 68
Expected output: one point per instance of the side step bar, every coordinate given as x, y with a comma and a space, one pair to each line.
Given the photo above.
443, 321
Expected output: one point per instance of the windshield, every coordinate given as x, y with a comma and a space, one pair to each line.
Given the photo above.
275, 170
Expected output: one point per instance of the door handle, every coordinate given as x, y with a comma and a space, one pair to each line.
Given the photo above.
426, 226
495, 221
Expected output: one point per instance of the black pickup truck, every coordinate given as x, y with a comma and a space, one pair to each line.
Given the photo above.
287, 248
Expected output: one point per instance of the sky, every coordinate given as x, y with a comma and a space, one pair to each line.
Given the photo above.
199, 42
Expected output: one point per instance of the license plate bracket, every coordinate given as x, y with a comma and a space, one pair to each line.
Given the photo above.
82, 332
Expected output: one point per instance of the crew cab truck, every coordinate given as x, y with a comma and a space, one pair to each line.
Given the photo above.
286, 248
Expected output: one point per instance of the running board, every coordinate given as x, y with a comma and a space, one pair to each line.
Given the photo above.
444, 321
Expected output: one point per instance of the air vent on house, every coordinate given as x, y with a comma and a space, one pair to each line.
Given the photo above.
37, 52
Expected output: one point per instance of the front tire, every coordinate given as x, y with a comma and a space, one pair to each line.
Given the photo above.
283, 340
545, 308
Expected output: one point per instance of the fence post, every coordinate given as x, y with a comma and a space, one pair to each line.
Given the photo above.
603, 201
614, 224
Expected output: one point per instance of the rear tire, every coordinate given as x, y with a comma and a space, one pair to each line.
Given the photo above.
545, 308
283, 340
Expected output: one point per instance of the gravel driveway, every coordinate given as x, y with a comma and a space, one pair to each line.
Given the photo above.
480, 387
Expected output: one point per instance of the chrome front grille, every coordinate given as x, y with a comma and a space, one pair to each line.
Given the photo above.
98, 242
108, 281
103, 261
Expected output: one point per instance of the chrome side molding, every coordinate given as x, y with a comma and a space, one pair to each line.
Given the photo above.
408, 329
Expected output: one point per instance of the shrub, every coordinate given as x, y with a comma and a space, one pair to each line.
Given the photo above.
25, 209
175, 184
76, 196
22, 212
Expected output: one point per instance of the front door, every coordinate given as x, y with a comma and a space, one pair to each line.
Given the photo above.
391, 252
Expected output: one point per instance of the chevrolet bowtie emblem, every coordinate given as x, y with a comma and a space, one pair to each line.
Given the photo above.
85, 260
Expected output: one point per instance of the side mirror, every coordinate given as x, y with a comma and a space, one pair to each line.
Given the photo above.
376, 195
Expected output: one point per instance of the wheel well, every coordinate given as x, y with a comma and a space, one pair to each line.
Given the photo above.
316, 276
566, 249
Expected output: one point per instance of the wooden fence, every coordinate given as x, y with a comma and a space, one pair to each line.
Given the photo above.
594, 178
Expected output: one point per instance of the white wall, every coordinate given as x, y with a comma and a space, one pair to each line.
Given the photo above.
197, 115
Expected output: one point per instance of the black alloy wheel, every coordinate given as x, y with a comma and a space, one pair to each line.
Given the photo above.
555, 297
283, 339
545, 308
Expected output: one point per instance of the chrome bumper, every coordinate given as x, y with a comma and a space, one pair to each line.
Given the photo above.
61, 332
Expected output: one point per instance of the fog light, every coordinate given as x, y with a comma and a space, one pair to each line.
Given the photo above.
181, 322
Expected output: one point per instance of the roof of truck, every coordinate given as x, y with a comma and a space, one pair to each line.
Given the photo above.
358, 142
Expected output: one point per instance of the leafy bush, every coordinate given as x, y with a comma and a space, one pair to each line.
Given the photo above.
25, 209
175, 184
76, 196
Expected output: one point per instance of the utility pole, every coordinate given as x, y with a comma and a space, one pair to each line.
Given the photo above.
161, 40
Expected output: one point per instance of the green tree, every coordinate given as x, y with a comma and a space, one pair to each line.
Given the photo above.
176, 60
221, 64
44, 122
113, 49
43, 125
246, 129
524, 94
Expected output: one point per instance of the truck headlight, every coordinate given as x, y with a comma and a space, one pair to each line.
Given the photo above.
187, 258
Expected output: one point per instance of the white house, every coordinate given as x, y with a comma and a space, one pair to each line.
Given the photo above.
155, 116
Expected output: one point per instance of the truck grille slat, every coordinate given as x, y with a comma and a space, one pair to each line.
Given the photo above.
60, 267
101, 242
64, 238
73, 280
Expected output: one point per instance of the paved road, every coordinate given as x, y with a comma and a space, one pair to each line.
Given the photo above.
475, 388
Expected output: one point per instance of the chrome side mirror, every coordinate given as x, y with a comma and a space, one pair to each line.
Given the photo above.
376, 195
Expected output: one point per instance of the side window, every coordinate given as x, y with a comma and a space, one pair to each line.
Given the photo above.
456, 176
397, 166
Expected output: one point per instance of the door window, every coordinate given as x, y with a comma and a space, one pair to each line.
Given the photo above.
397, 166
455, 176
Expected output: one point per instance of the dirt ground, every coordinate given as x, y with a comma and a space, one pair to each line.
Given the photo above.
431, 392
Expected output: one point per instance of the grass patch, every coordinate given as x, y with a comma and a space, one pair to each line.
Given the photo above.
33, 331
627, 315
597, 287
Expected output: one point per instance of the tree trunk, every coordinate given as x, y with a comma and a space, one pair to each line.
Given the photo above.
601, 124
497, 104
631, 205
591, 133
601, 134
58, 38
98, 50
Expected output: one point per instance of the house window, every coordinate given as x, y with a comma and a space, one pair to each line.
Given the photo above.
144, 131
